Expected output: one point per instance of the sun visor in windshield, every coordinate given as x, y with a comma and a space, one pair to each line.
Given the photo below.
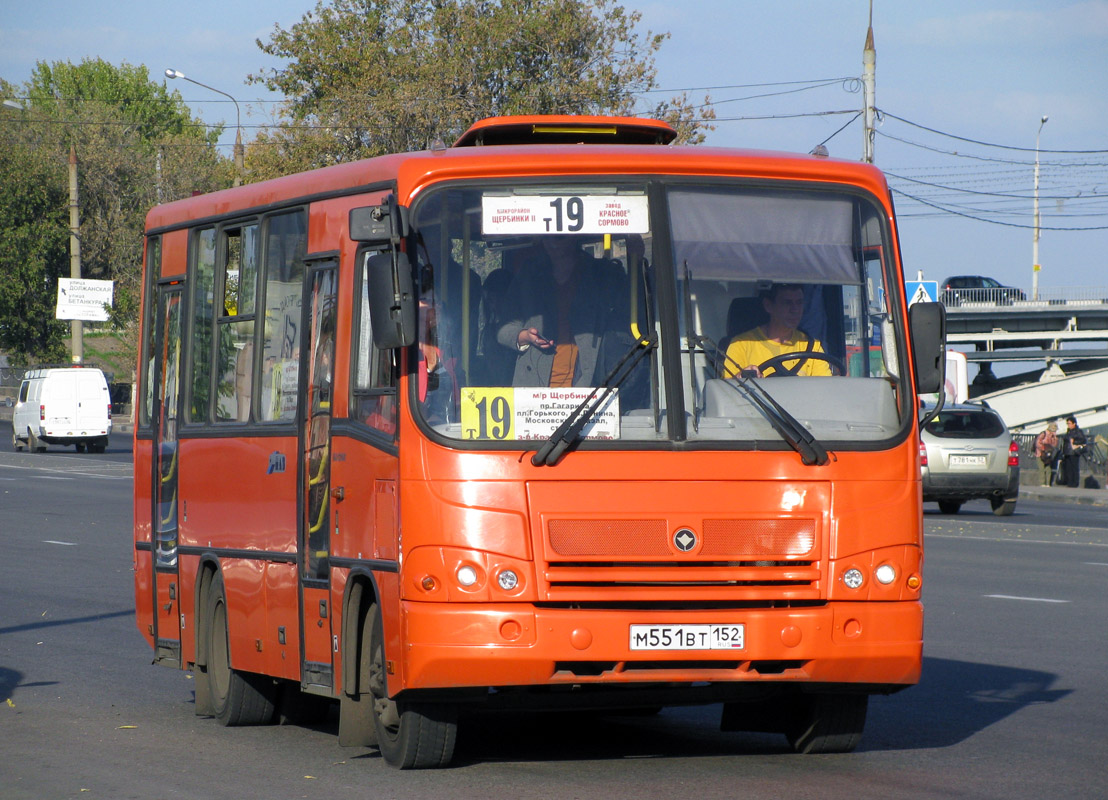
778, 237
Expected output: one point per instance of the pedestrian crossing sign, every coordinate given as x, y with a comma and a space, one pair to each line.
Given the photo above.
921, 291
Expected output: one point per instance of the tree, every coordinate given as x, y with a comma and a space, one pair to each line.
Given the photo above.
33, 239
366, 77
137, 144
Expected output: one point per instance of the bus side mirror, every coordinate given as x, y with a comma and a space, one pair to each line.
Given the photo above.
392, 302
386, 223
927, 324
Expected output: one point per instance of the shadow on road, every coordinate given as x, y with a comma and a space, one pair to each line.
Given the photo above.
953, 701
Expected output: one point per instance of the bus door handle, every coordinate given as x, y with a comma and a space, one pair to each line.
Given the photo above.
338, 493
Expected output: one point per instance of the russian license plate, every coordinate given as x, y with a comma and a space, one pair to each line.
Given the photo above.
967, 461
687, 637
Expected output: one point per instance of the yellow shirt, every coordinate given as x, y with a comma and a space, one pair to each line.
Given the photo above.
755, 347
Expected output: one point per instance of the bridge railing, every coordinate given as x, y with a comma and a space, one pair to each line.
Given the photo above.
1009, 296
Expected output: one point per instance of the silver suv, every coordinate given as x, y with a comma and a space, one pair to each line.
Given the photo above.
967, 453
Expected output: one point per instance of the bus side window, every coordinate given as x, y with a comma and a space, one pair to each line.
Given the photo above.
285, 245
374, 369
235, 357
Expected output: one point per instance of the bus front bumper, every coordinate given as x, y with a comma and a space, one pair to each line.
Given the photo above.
451, 645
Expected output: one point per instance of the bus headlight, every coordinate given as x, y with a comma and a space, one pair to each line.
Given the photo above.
885, 574
507, 580
466, 575
853, 578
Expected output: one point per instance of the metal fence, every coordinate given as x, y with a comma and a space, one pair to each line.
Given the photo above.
1094, 460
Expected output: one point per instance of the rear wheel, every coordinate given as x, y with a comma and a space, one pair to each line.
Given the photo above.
237, 698
950, 506
828, 723
410, 735
1002, 507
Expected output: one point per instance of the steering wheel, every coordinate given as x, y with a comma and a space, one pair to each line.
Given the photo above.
777, 363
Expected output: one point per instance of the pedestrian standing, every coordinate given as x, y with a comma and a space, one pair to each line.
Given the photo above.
1073, 445
1046, 453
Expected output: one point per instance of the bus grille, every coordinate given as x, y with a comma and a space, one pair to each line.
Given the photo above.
741, 560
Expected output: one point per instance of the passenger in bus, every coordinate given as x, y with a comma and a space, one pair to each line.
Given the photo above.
747, 352
563, 305
436, 372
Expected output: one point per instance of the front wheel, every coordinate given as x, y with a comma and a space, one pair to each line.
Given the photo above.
410, 735
1002, 507
828, 723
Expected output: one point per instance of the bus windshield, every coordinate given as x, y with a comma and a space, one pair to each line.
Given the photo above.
532, 297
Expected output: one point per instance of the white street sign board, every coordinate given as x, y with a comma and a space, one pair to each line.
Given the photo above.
79, 298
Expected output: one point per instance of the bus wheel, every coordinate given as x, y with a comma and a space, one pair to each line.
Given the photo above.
410, 735
828, 723
237, 698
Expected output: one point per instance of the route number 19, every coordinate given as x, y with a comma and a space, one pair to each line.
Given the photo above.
574, 213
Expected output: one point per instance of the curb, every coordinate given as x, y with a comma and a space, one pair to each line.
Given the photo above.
1088, 497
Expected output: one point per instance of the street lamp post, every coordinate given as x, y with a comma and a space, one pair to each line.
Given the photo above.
176, 73
1035, 237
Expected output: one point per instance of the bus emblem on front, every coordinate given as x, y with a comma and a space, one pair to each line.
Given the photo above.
684, 540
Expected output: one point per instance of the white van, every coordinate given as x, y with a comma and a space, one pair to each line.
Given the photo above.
63, 406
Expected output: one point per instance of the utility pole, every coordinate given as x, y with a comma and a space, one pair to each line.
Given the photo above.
869, 79
76, 327
1035, 237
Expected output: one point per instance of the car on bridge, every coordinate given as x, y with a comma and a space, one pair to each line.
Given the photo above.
967, 453
958, 289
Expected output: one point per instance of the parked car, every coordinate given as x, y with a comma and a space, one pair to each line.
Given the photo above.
69, 405
966, 452
958, 289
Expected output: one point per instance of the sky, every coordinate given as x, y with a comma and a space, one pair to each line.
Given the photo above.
961, 86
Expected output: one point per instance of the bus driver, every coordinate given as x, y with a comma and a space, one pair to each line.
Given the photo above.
749, 352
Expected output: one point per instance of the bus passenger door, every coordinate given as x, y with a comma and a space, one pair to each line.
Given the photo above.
314, 539
167, 363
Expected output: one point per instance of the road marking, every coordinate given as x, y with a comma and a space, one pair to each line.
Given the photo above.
53, 541
1028, 599
1096, 564
70, 474
1022, 541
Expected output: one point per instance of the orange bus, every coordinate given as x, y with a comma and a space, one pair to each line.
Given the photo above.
467, 429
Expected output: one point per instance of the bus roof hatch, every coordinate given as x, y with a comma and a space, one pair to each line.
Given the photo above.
562, 129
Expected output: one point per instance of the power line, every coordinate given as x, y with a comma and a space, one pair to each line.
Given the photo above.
826, 81
948, 210
987, 144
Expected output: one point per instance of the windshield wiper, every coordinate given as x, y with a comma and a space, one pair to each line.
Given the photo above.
789, 427
570, 430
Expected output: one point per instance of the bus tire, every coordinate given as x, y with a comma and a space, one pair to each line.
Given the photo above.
409, 735
828, 723
237, 698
